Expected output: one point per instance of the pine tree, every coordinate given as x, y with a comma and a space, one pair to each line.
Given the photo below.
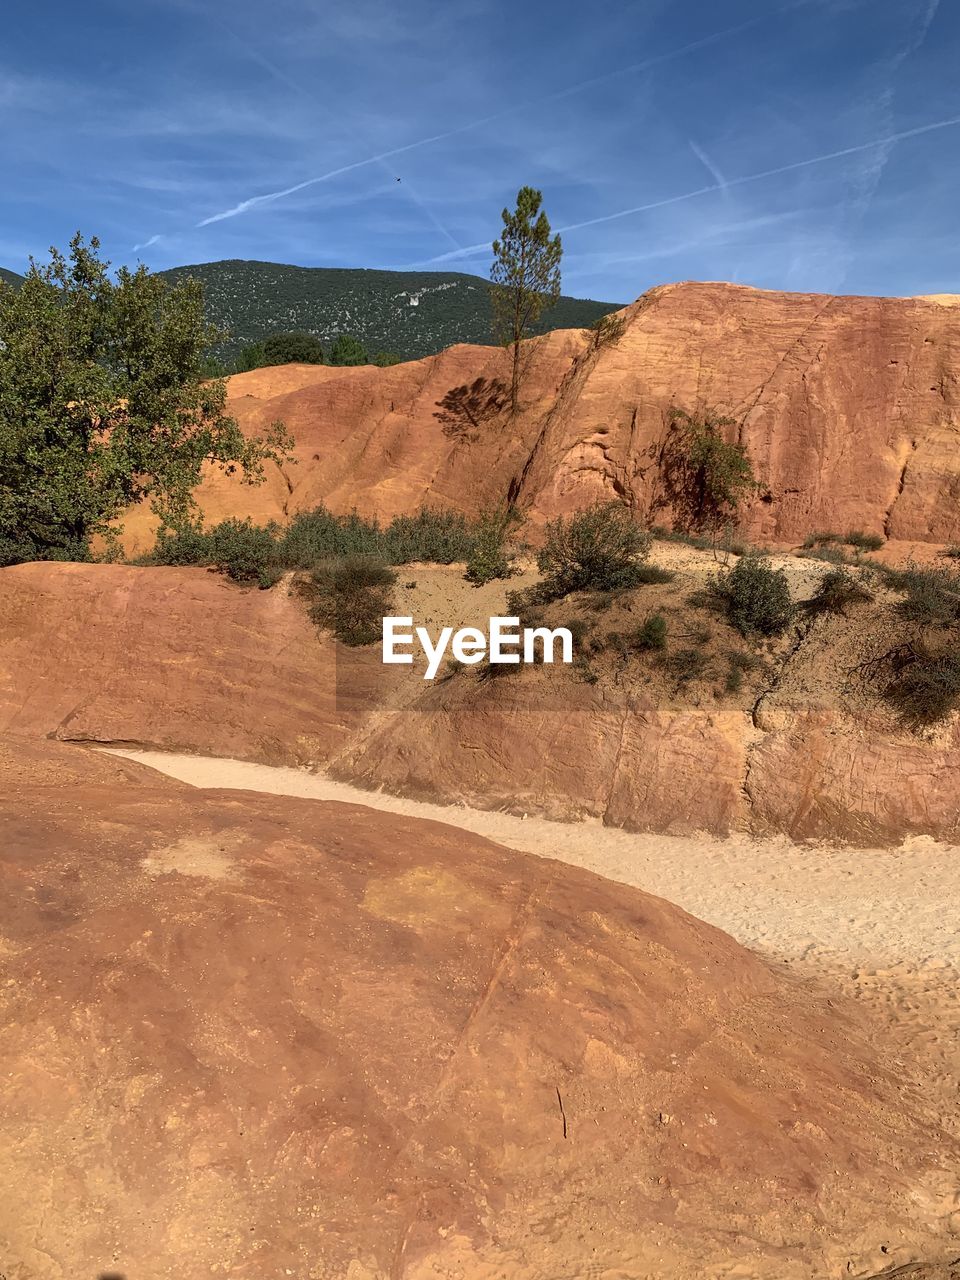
526, 278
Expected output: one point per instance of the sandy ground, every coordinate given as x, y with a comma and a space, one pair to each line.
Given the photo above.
880, 925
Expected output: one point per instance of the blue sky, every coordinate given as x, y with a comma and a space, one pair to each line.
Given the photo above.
807, 145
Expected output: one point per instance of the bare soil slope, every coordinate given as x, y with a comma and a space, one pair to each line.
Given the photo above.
248, 1036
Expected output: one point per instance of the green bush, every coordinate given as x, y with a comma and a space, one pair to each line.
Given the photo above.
292, 348
704, 476
491, 557
756, 597
652, 574
838, 589
723, 539
347, 350
820, 540
350, 597
927, 688
739, 664
932, 595
527, 604
607, 331
580, 630
687, 664
438, 537
598, 549
23, 551
863, 541
245, 552
952, 552
652, 633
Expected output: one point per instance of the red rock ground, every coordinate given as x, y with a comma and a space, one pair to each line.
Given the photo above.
254, 1036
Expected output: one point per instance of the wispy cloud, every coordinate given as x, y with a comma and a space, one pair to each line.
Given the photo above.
147, 244
646, 64
903, 136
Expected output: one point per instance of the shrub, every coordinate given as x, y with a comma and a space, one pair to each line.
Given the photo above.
579, 630
739, 664
756, 597
22, 550
829, 554
292, 348
245, 552
652, 574
607, 331
490, 557
820, 540
927, 688
932, 596
652, 633
722, 539
597, 549
347, 350
351, 597
687, 664
836, 592
439, 537
704, 476
527, 604
242, 550
952, 552
584, 672
863, 541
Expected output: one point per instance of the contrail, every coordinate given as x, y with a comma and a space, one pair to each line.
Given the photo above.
283, 78
708, 164
472, 249
269, 197
770, 173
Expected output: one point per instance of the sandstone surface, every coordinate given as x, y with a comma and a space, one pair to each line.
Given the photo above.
249, 1036
848, 407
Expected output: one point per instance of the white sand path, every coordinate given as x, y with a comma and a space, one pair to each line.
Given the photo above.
883, 923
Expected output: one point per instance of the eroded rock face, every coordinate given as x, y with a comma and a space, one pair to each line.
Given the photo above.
181, 659
848, 407
822, 776
177, 658
251, 1036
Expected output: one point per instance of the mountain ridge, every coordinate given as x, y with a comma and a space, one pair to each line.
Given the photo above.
409, 313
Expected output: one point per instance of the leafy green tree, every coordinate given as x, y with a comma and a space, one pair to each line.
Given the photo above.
526, 278
250, 357
104, 401
384, 359
292, 348
347, 350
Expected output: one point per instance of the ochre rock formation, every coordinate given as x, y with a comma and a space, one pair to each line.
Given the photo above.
256, 1036
180, 659
848, 406
176, 658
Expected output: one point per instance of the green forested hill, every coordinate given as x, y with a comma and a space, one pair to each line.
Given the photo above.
412, 313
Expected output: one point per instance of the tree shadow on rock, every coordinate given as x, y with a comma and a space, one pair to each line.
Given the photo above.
464, 411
